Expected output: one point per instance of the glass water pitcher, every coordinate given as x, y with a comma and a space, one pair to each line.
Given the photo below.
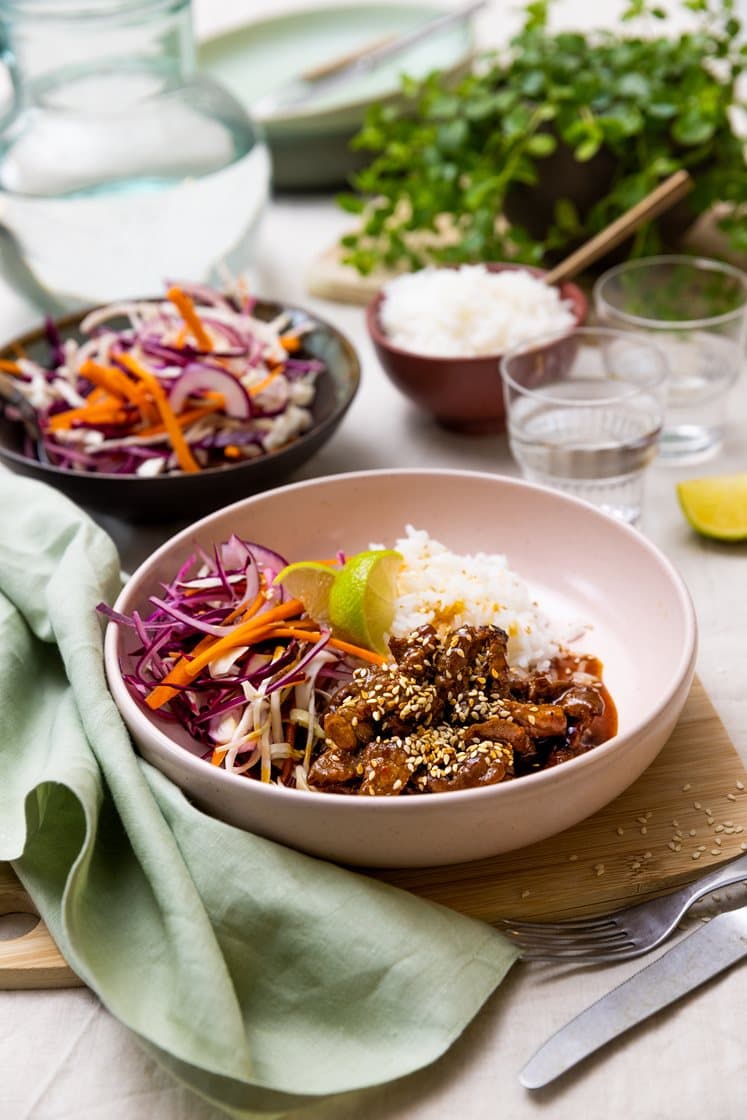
120, 165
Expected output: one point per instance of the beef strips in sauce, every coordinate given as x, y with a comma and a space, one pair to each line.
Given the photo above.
450, 713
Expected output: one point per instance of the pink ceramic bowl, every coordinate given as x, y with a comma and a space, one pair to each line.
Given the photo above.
461, 393
642, 626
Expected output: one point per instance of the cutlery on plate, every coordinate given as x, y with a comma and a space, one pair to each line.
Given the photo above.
621, 934
711, 949
354, 64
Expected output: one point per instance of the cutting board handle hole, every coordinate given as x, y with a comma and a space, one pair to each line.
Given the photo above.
15, 926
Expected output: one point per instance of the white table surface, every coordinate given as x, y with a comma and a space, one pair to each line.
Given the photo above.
63, 1056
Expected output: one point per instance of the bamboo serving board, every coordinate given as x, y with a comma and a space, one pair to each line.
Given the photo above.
687, 813
328, 278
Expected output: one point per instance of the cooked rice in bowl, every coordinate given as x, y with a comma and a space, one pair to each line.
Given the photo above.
449, 590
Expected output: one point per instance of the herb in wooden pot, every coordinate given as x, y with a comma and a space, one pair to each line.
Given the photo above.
540, 147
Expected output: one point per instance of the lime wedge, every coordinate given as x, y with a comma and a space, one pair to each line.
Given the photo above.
716, 507
311, 582
363, 597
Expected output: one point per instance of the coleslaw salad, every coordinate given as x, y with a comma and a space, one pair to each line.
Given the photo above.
169, 386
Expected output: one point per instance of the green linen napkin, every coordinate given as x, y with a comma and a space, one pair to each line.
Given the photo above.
262, 978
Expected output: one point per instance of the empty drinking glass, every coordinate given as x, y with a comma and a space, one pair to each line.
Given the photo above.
584, 414
696, 311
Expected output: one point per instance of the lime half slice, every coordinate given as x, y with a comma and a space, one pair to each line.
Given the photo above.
311, 582
363, 598
716, 507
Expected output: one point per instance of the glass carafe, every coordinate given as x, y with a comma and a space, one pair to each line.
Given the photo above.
120, 165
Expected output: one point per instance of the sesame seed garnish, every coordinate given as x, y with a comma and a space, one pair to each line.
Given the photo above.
696, 805
715, 852
525, 894
731, 796
644, 830
572, 858
620, 831
740, 785
686, 787
696, 855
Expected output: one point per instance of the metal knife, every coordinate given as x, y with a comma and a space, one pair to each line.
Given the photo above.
301, 89
698, 957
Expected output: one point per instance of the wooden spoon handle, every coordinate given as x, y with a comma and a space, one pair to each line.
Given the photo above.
660, 199
341, 61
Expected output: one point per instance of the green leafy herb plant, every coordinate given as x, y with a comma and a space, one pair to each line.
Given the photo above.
453, 164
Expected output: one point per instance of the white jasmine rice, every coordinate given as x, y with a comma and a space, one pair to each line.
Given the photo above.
449, 590
468, 311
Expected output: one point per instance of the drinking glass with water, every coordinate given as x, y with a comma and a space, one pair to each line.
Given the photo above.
584, 414
695, 310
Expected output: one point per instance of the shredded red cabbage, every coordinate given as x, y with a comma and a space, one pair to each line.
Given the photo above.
236, 387
255, 708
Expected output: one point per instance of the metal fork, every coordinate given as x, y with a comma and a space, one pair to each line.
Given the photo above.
622, 934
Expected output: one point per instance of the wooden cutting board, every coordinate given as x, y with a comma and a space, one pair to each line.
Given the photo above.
328, 278
687, 813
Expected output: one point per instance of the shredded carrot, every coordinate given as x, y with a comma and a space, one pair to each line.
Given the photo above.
113, 379
182, 449
219, 753
183, 419
315, 635
245, 633
290, 343
98, 395
10, 367
254, 389
231, 451
186, 309
104, 412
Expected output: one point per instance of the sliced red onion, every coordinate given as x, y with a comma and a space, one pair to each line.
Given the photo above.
233, 335
271, 562
199, 378
232, 555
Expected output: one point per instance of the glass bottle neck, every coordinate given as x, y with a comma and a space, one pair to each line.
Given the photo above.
49, 37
